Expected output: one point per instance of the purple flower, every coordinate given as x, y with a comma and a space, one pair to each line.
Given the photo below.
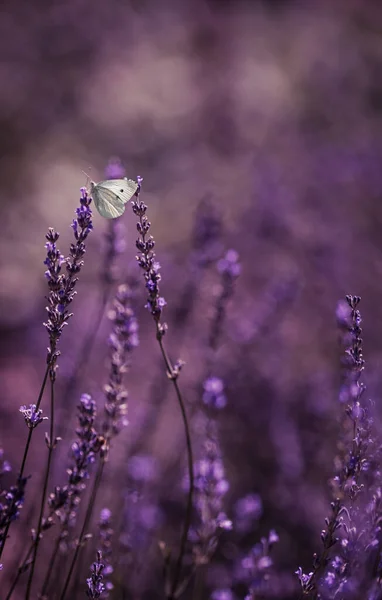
32, 416
84, 450
258, 564
61, 285
122, 341
105, 532
222, 594
247, 510
142, 467
207, 233
95, 585
11, 501
115, 169
229, 266
214, 393
146, 260
210, 488
5, 466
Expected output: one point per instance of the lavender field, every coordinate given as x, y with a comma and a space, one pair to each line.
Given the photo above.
190, 392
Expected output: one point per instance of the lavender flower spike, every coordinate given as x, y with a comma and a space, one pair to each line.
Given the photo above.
122, 340
95, 585
62, 286
105, 535
210, 488
32, 415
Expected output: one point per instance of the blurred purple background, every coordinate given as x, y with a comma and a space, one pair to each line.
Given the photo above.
267, 113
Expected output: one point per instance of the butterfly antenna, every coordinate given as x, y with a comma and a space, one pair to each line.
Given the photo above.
87, 178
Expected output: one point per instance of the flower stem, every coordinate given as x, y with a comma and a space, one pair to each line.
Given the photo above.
85, 526
26, 451
51, 446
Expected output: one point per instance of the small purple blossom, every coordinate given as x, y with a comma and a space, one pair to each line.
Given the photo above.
95, 584
11, 501
213, 395
258, 565
122, 341
222, 594
247, 511
32, 415
115, 169
230, 266
5, 466
142, 467
83, 450
105, 534
210, 488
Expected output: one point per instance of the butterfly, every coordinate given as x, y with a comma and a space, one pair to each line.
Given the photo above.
111, 196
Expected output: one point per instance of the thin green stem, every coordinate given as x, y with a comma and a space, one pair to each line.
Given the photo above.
190, 460
26, 451
20, 570
51, 446
85, 526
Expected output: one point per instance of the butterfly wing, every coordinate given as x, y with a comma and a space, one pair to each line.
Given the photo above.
108, 204
124, 189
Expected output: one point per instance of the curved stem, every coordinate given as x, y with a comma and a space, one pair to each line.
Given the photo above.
26, 451
19, 571
190, 460
45, 487
85, 526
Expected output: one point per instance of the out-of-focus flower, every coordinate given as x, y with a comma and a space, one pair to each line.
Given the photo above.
142, 467
95, 584
247, 510
122, 340
210, 488
105, 532
213, 395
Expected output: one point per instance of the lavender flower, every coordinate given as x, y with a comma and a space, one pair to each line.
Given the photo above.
122, 341
11, 502
258, 565
32, 416
213, 395
155, 303
61, 286
210, 488
229, 268
247, 510
84, 450
5, 466
105, 536
356, 448
115, 169
147, 262
222, 594
207, 233
95, 585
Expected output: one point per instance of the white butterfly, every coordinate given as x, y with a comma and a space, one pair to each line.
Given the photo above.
111, 196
